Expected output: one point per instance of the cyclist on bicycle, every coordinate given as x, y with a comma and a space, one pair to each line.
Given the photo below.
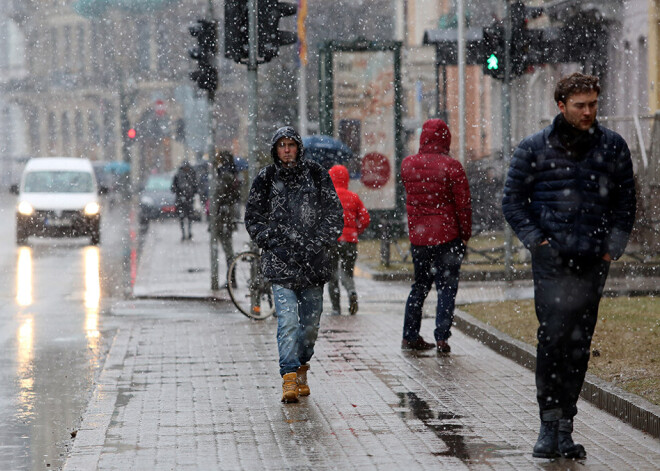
294, 215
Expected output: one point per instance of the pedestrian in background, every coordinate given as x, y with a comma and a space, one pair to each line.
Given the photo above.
356, 220
293, 215
570, 198
439, 226
227, 195
184, 186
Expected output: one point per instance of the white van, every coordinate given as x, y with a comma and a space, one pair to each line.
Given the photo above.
58, 197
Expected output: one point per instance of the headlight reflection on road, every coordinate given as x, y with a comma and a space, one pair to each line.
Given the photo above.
24, 277
25, 368
92, 292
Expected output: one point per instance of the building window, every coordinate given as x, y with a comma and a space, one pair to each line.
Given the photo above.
54, 62
144, 45
78, 132
68, 50
108, 131
32, 116
66, 133
164, 49
81, 47
52, 133
93, 130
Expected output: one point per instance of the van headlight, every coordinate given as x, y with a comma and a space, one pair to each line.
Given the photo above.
25, 208
92, 209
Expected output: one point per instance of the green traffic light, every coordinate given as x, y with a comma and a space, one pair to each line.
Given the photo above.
493, 62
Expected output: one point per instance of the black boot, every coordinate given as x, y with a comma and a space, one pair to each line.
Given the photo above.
546, 445
567, 447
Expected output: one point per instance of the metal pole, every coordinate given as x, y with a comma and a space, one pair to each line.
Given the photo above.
213, 185
461, 82
253, 90
302, 99
506, 131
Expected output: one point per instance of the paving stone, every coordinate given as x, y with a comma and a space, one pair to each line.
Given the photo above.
195, 386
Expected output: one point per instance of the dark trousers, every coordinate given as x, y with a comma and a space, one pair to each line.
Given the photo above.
567, 291
344, 256
440, 264
184, 210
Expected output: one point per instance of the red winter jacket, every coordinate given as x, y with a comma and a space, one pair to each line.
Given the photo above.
437, 190
356, 216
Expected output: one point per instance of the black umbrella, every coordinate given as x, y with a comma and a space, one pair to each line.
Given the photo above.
327, 151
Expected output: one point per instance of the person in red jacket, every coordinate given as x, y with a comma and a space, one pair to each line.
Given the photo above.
356, 220
439, 226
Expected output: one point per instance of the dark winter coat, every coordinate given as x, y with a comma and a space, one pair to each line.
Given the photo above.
356, 216
184, 185
582, 202
294, 216
437, 191
227, 195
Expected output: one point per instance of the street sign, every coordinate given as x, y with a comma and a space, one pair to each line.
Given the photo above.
159, 108
376, 170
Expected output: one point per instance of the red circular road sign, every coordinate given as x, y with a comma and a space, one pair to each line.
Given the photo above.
375, 170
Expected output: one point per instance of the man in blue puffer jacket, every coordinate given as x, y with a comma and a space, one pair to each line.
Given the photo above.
570, 198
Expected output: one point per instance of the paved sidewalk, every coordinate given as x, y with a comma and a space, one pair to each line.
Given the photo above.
192, 385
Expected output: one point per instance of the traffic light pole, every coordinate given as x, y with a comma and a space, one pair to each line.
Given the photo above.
461, 81
253, 88
213, 184
506, 131
253, 91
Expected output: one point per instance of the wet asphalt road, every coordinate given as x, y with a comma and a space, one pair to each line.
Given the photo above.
55, 294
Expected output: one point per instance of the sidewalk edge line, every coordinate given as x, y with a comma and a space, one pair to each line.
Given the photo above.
90, 439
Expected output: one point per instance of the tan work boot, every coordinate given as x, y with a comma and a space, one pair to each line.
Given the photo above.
289, 388
303, 388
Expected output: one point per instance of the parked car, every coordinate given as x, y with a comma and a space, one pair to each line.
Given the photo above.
58, 197
157, 200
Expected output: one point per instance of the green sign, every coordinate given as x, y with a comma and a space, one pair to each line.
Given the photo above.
96, 8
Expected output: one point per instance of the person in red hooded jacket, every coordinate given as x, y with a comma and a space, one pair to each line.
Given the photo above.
439, 226
356, 220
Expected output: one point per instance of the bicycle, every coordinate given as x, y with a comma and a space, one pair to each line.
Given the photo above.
249, 291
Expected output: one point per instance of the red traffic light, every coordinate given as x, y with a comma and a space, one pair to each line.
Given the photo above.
131, 133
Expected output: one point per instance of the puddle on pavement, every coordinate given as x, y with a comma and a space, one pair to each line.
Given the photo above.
447, 427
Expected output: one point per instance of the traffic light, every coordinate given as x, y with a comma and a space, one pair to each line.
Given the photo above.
493, 50
523, 39
206, 76
236, 30
269, 14
524, 46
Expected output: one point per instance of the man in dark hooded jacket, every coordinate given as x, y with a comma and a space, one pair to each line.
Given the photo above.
570, 198
439, 226
184, 187
294, 215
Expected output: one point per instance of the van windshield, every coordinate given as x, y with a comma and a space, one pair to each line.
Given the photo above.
49, 181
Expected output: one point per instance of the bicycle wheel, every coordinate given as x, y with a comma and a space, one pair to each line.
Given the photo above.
245, 283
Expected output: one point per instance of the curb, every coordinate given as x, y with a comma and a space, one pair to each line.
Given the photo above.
628, 407
618, 270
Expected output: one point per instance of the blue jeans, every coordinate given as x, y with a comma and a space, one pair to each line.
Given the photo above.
298, 321
440, 264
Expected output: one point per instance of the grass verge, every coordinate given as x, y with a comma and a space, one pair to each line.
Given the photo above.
625, 347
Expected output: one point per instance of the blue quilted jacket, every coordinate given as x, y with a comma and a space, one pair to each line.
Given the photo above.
582, 204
